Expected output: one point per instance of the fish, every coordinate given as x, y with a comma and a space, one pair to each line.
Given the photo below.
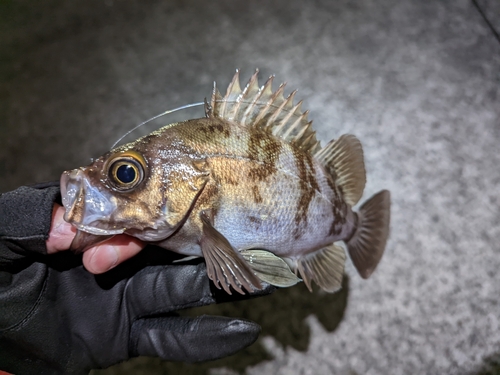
248, 187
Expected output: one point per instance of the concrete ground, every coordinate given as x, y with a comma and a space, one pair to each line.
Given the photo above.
417, 82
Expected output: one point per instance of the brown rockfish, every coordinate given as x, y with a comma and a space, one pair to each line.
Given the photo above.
248, 187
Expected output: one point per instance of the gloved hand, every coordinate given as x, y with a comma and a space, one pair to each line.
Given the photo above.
67, 320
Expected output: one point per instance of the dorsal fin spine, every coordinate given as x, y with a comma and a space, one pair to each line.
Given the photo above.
216, 97
252, 104
302, 118
249, 91
304, 143
294, 112
236, 77
268, 110
286, 104
266, 91
233, 94
299, 141
277, 96
291, 112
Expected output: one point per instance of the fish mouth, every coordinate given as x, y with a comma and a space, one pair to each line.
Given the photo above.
87, 207
92, 229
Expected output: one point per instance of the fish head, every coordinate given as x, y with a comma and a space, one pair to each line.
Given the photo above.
134, 190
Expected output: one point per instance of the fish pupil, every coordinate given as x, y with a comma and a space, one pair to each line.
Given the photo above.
126, 174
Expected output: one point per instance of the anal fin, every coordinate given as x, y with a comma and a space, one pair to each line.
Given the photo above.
225, 266
325, 267
270, 268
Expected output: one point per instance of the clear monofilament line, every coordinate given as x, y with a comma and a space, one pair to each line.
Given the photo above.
175, 110
156, 117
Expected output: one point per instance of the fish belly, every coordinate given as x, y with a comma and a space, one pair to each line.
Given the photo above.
274, 230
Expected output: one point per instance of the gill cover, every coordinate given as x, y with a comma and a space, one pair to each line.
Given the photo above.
186, 181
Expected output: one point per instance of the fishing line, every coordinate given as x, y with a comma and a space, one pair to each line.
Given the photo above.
181, 108
156, 117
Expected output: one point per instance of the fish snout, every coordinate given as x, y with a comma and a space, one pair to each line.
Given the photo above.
71, 193
87, 207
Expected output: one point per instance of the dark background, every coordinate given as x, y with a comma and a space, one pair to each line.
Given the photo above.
418, 83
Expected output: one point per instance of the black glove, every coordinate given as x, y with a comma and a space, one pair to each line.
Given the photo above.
66, 320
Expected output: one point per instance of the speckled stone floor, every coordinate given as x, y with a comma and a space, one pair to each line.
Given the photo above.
418, 83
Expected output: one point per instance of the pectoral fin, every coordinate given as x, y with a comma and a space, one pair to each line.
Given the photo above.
84, 241
270, 268
225, 266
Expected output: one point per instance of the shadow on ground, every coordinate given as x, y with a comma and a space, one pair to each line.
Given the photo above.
281, 315
491, 366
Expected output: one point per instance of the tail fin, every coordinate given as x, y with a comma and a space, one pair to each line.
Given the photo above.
367, 245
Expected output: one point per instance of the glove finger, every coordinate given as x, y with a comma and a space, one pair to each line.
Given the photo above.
191, 339
163, 289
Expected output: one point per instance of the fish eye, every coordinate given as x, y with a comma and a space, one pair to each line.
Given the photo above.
126, 172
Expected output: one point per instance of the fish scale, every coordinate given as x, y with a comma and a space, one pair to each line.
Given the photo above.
248, 188
230, 160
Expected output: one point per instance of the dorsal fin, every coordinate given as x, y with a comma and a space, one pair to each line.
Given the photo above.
343, 159
267, 110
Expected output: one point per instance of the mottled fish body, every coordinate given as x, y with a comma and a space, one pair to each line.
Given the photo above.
246, 187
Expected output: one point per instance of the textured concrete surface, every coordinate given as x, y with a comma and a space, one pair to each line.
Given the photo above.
418, 83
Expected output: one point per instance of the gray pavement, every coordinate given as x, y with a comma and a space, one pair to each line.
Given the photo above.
418, 82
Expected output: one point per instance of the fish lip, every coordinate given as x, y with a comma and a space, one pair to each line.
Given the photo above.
98, 231
68, 195
86, 207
